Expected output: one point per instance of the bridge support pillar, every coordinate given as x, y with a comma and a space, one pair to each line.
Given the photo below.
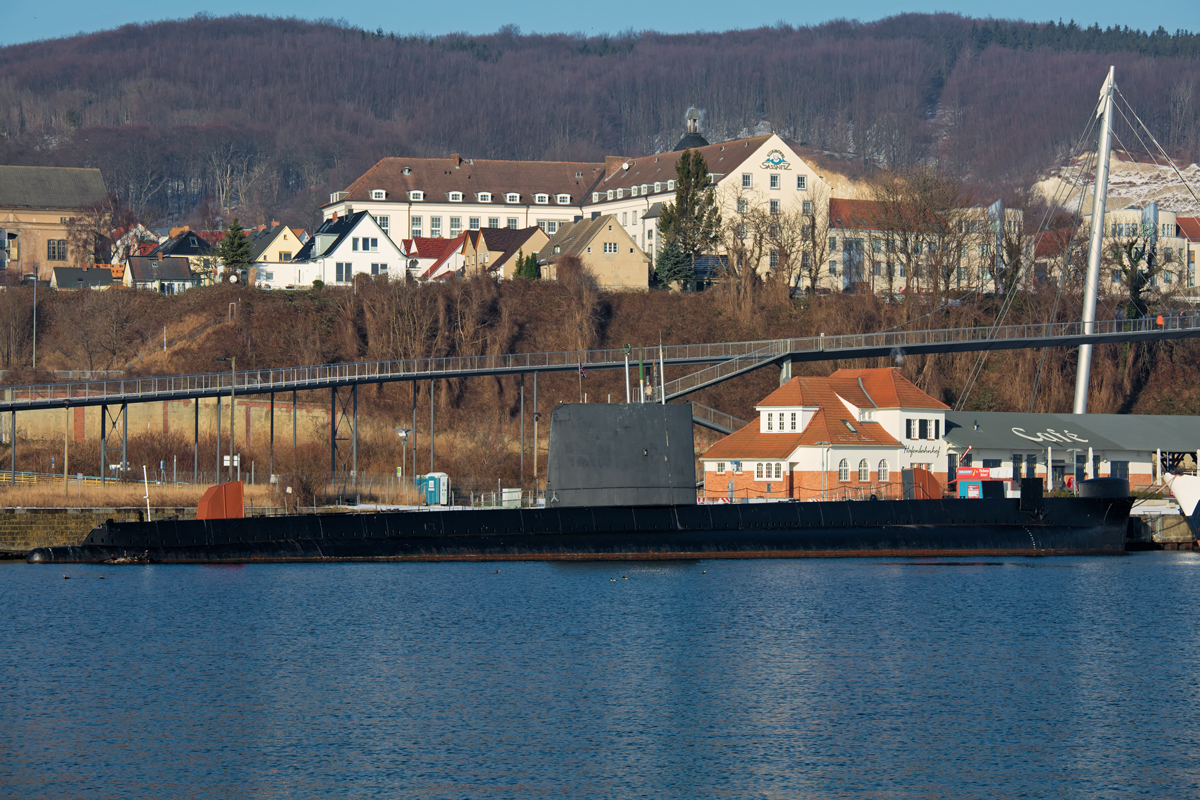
195, 440
271, 462
12, 445
108, 426
343, 414
785, 371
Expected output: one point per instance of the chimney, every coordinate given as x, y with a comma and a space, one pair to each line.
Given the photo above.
456, 158
274, 223
334, 217
262, 227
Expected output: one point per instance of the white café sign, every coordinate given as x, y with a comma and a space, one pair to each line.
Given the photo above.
1050, 435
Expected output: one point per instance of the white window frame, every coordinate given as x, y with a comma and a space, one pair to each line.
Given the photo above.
720, 467
844, 471
671, 185
775, 181
541, 199
512, 197
610, 247
801, 183
883, 470
747, 180
416, 196
415, 227
378, 194
484, 197
454, 197
864, 471
563, 199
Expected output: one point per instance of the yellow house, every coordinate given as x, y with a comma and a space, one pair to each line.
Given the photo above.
605, 248
493, 251
275, 243
38, 207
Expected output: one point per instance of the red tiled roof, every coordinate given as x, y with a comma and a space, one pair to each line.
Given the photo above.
1189, 227
452, 247
750, 443
426, 247
853, 214
437, 177
886, 388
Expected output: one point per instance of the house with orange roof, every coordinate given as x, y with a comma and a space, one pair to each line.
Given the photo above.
494, 251
848, 435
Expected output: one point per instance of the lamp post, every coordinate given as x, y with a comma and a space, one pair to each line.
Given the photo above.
232, 398
824, 471
403, 434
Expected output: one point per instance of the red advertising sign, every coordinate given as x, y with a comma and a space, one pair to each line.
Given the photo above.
975, 473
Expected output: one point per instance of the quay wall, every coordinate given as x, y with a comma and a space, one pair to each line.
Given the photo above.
23, 529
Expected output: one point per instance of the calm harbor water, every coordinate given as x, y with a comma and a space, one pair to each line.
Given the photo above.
1067, 677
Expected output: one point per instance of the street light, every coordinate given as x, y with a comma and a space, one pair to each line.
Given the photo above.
824, 471
403, 434
232, 380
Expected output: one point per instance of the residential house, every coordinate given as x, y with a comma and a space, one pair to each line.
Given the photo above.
450, 263
71, 278
607, 250
274, 243
423, 252
198, 248
133, 240
494, 251
848, 435
347, 246
171, 275
38, 206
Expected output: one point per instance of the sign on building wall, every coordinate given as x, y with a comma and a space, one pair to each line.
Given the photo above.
775, 160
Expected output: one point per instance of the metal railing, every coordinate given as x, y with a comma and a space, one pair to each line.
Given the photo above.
719, 419
732, 358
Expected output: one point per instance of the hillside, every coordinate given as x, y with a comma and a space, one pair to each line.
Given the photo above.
189, 119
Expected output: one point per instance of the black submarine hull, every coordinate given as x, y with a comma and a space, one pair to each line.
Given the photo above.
949, 527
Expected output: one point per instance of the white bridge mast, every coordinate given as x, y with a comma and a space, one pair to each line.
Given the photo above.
1096, 247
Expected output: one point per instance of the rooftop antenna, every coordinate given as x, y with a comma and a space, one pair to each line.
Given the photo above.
1091, 286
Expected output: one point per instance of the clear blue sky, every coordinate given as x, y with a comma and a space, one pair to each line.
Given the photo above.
29, 21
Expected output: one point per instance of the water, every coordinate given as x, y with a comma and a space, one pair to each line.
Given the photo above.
1068, 677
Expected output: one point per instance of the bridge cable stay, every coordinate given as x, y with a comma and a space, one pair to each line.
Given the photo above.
1043, 225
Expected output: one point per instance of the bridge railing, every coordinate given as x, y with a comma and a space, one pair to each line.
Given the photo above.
730, 358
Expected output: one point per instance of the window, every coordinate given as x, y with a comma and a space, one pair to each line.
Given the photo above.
416, 226
807, 207
670, 185
610, 194
473, 223
833, 268
922, 429
455, 197
779, 470
743, 205
802, 183
379, 269
595, 197
843, 470
620, 193
1116, 276
550, 226
455, 226
416, 195
624, 217
720, 467
864, 471
512, 197
354, 244
793, 420
644, 188
832, 244
657, 187
541, 199
342, 271
512, 223
775, 207
1118, 469
936, 424
56, 250
770, 418
774, 181
493, 222
383, 223
435, 227
758, 471
610, 247
746, 180
484, 197
285, 256
883, 471
378, 194
991, 463
774, 259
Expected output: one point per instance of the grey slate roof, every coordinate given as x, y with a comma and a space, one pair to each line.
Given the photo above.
146, 269
1142, 433
50, 187
77, 278
340, 227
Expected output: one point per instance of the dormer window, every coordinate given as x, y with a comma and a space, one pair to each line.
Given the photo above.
541, 199
610, 194
484, 197
657, 187
512, 197
455, 197
670, 186
416, 195
562, 199
378, 194
644, 187
595, 197
633, 191
620, 193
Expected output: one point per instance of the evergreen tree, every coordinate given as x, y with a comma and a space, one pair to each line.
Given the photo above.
527, 267
693, 221
235, 250
673, 266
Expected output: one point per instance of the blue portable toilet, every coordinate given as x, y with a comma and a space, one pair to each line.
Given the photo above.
437, 488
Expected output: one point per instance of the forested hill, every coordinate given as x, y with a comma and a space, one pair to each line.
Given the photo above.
267, 116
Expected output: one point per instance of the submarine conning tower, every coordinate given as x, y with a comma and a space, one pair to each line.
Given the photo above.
621, 454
